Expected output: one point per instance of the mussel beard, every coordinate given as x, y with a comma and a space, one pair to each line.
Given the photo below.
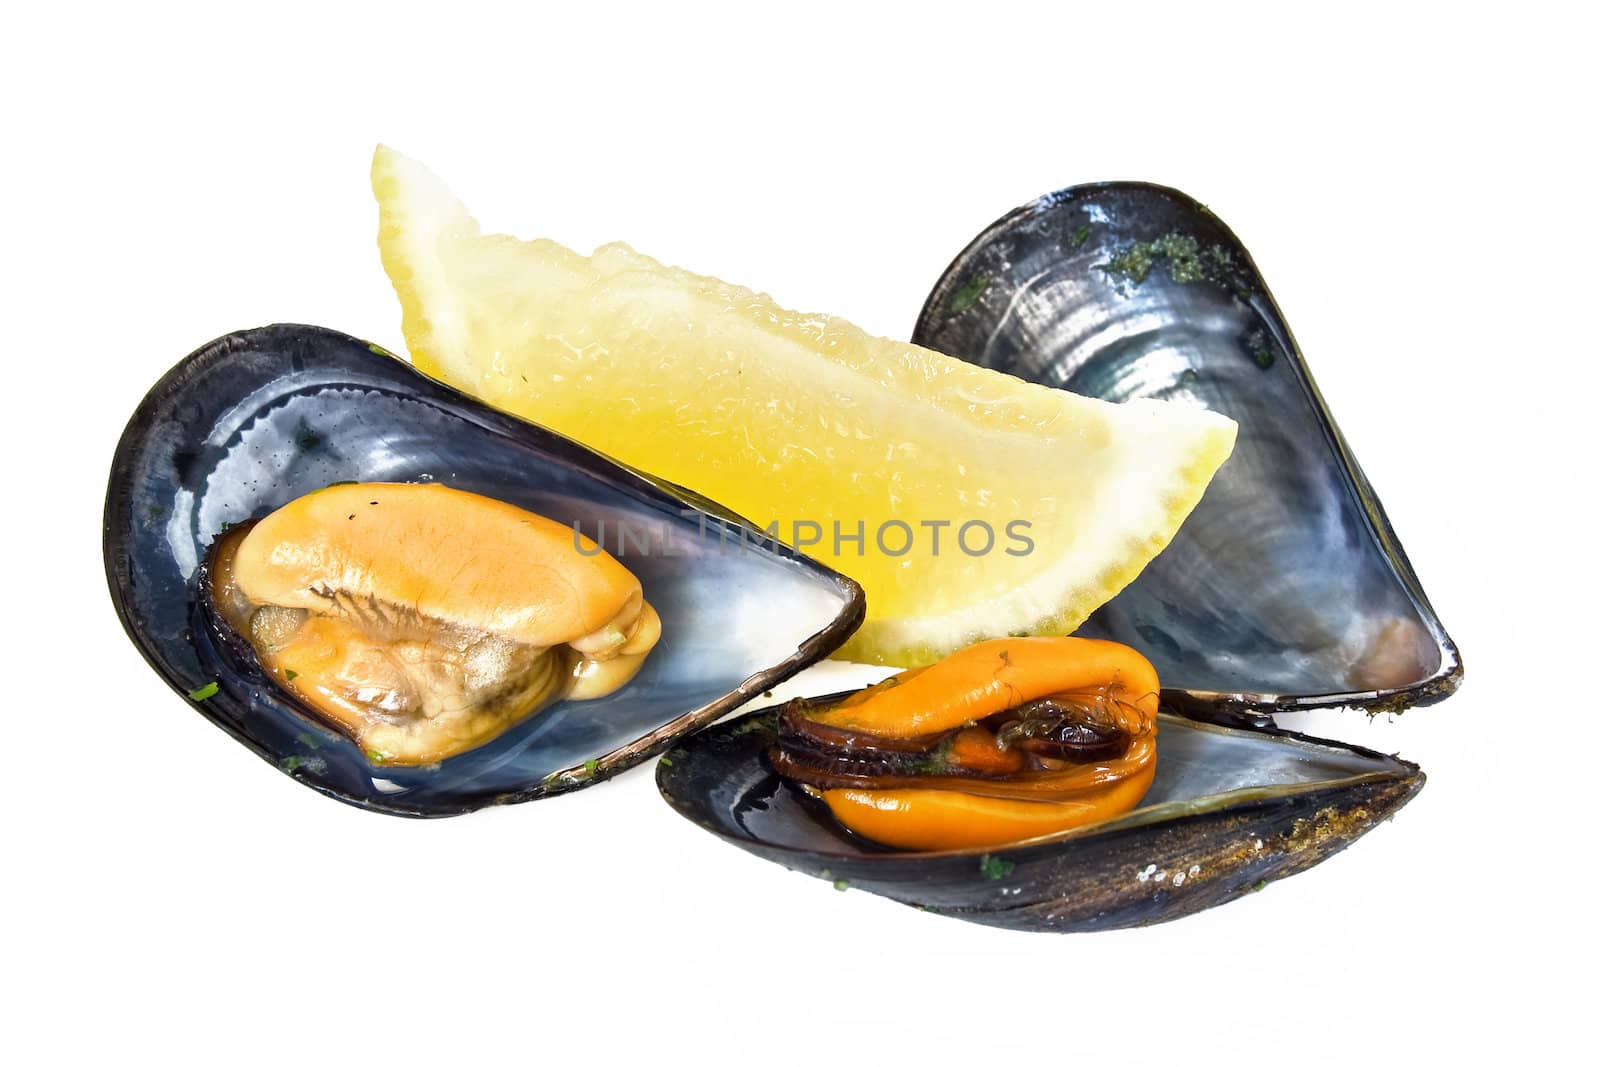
1055, 748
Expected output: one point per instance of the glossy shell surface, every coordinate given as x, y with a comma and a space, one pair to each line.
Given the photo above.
1230, 811
1287, 587
261, 417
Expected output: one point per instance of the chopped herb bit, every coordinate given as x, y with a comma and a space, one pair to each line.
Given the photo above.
1189, 376
308, 740
1080, 235
226, 524
969, 294
380, 350
374, 756
1259, 886
289, 675
290, 764
825, 873
757, 723
1260, 349
1186, 261
767, 694
1133, 263
995, 868
937, 760
841, 884
205, 692
590, 766
1183, 253
665, 761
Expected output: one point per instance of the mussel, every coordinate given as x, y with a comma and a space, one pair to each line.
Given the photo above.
424, 620
1229, 810
1286, 588
259, 419
1005, 740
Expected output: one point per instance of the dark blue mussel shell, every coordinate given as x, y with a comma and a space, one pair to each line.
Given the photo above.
1230, 810
1287, 587
258, 418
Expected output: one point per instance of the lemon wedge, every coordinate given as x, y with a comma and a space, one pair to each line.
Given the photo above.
969, 504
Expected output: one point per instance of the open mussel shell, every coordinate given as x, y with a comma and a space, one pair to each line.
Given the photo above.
1229, 811
259, 418
1286, 588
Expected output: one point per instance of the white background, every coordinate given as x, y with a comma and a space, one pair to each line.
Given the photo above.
1417, 188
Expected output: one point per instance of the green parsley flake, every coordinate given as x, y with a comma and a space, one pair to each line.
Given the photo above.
841, 884
289, 675
1081, 235
937, 760
1186, 261
205, 692
995, 868
753, 724
590, 766
1260, 349
375, 756
969, 294
290, 764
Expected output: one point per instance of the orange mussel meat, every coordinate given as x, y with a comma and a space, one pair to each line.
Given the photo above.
1003, 741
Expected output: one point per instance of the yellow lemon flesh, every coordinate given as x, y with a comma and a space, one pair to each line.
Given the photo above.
969, 504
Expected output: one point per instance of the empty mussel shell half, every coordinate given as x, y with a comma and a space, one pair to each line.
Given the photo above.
262, 417
1229, 811
1286, 587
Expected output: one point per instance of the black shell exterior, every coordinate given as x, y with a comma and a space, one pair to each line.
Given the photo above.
260, 417
1286, 588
